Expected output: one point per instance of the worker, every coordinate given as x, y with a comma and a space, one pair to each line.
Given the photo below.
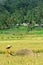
8, 50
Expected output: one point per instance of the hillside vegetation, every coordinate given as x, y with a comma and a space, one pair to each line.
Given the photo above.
14, 12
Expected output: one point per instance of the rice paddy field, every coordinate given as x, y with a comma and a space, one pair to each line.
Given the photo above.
32, 42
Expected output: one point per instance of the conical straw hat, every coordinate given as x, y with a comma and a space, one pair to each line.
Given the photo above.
9, 46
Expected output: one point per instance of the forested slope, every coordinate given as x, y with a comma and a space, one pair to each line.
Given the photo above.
20, 11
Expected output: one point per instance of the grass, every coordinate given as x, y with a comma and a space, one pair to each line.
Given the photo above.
23, 30
21, 36
22, 60
32, 44
20, 33
32, 40
17, 60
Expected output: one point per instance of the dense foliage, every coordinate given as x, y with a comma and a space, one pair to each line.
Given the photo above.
14, 12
